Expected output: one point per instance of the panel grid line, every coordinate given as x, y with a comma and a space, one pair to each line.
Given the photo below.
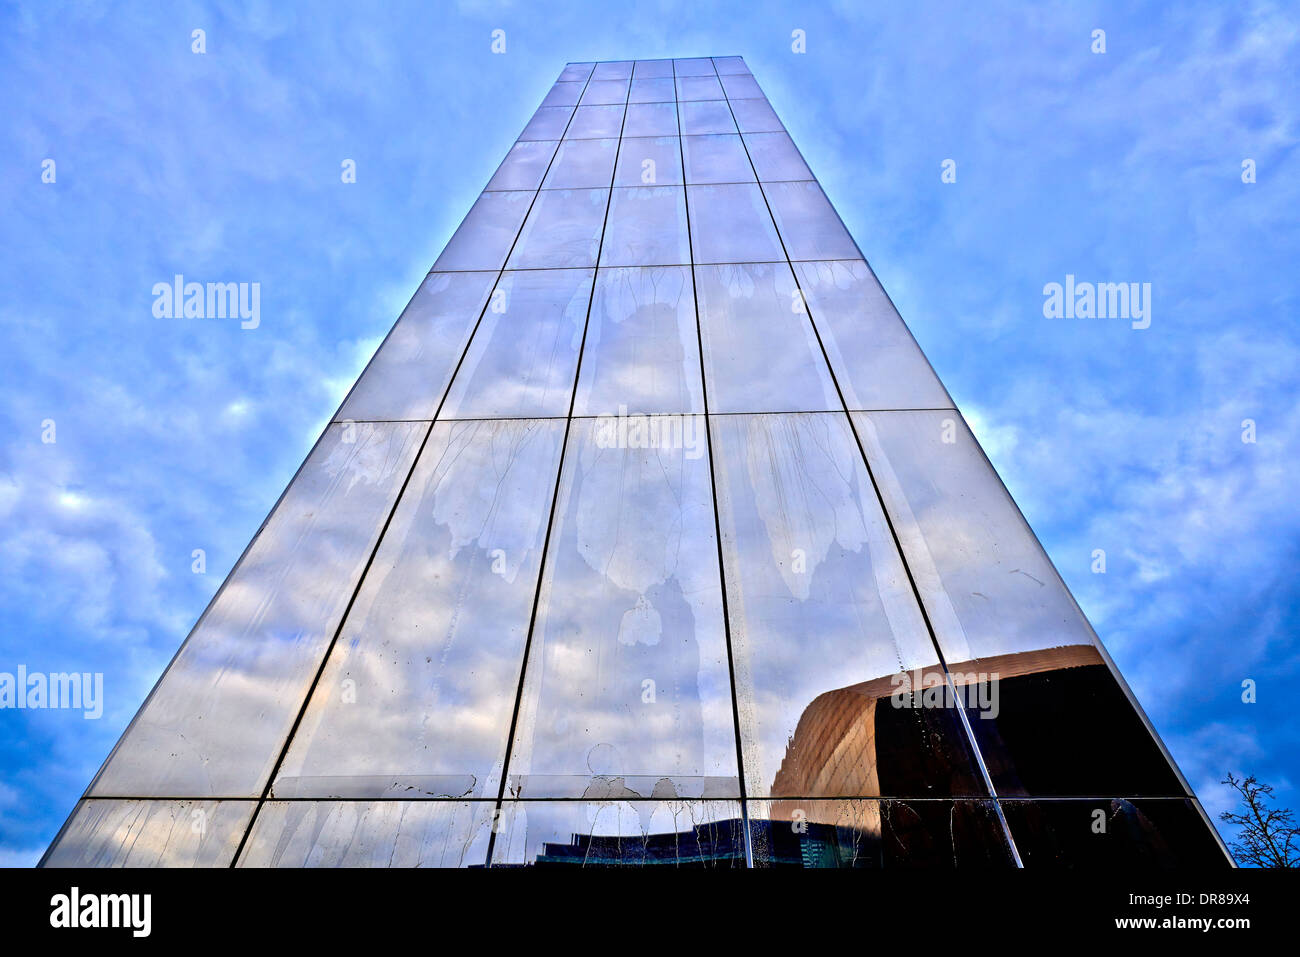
717, 521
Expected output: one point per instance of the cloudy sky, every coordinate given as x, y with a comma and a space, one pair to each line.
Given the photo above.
174, 435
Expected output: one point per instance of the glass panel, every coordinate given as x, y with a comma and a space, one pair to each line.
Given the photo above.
651, 119
564, 94
647, 227
925, 835
688, 834
760, 355
411, 702
808, 223
484, 238
1144, 834
524, 165
151, 834
649, 161
370, 834
876, 361
653, 90
409, 374
755, 116
642, 350
251, 658
605, 91
582, 163
731, 224
730, 65
827, 638
716, 159
699, 88
653, 68
548, 123
741, 87
576, 71
1051, 718
707, 116
775, 157
613, 70
563, 229
522, 361
627, 691
593, 122
695, 66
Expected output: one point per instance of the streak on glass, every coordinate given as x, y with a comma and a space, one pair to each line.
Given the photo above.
123, 833
731, 224
627, 692
760, 352
646, 227
563, 229
410, 703
642, 351
370, 834
522, 361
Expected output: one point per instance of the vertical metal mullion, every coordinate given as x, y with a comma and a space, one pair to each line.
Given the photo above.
713, 488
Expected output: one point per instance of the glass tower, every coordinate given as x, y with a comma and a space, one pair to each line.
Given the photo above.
647, 537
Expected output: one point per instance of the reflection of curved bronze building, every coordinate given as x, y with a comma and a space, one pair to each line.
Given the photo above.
857, 741
1051, 720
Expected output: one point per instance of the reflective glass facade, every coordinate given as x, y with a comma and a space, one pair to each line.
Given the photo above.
648, 537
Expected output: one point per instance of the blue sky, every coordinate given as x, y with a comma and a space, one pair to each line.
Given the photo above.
174, 435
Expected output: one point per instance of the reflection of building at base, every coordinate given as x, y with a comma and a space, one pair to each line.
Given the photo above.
870, 834
921, 834
715, 844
